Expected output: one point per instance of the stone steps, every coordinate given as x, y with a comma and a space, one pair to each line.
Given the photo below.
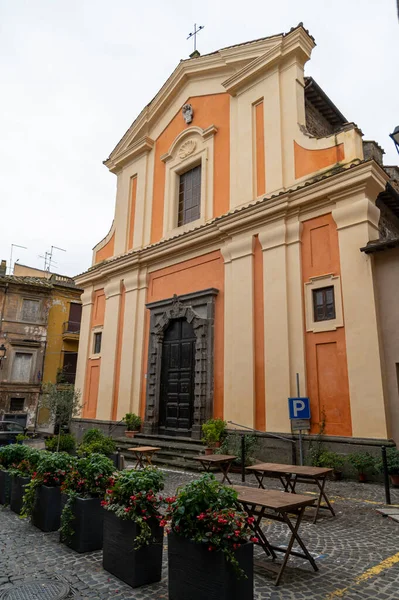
175, 451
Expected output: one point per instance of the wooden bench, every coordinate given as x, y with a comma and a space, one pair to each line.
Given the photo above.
142, 453
221, 461
276, 506
290, 475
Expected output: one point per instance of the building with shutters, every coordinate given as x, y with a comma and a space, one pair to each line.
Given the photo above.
233, 262
39, 328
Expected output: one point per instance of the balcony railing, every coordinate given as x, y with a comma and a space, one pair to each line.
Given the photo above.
66, 377
71, 327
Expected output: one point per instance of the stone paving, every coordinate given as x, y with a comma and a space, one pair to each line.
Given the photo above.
357, 553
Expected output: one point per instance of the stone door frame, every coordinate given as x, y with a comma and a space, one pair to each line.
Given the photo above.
199, 310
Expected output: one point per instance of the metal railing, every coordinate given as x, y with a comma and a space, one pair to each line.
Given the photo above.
71, 327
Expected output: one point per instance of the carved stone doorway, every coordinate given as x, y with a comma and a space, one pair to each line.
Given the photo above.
197, 310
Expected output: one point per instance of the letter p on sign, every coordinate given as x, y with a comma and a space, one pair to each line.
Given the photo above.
299, 408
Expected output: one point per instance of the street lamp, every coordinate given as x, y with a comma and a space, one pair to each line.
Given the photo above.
3, 351
395, 137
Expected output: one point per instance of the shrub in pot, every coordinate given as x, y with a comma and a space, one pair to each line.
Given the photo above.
231, 444
21, 474
10, 456
210, 554
66, 442
332, 460
214, 431
363, 462
133, 424
393, 465
82, 493
42, 498
133, 536
96, 442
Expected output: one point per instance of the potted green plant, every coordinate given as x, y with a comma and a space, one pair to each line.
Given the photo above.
210, 554
65, 442
332, 460
232, 444
214, 431
393, 465
363, 462
133, 536
133, 424
10, 456
96, 442
82, 493
42, 497
21, 474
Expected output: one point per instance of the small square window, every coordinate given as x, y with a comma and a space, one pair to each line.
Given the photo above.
97, 342
324, 304
30, 310
17, 404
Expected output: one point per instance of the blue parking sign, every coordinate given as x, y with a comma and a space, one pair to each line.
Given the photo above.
299, 408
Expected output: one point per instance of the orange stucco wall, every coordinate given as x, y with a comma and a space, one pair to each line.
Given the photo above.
260, 149
208, 110
90, 394
310, 161
259, 335
326, 363
190, 276
106, 251
132, 211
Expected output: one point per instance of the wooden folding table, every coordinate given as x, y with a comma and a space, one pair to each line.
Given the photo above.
290, 475
222, 461
276, 506
142, 453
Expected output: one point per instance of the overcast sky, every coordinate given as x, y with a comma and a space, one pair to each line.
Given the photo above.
74, 75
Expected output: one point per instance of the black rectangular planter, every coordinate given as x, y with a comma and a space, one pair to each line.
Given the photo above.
5, 487
46, 512
196, 573
17, 492
87, 524
134, 567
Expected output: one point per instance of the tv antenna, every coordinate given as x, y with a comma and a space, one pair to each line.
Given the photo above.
194, 35
10, 268
48, 258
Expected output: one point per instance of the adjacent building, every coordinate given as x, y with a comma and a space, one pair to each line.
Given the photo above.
234, 262
39, 330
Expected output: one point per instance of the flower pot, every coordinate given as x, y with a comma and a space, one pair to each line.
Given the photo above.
5, 487
395, 479
208, 451
336, 475
87, 524
130, 434
362, 477
196, 573
46, 511
134, 567
218, 444
17, 492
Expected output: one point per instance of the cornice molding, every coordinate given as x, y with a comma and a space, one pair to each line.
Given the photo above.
142, 146
346, 184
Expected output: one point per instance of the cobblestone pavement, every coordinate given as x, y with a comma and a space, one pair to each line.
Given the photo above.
357, 553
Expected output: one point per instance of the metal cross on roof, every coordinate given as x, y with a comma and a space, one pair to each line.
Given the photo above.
194, 34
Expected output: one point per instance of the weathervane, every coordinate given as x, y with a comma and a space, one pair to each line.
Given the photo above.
194, 34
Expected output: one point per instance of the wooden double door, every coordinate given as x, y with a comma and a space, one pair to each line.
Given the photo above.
177, 379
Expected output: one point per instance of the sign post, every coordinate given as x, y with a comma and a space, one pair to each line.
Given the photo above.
299, 412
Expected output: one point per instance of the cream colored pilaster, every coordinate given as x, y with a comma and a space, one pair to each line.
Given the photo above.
239, 388
132, 343
357, 223
273, 142
296, 326
108, 348
277, 356
84, 339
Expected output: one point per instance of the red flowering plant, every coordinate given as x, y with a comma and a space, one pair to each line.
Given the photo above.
204, 511
51, 469
27, 466
134, 495
90, 477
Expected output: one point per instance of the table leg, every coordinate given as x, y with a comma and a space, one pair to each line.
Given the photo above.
322, 494
285, 482
259, 477
257, 528
139, 462
225, 470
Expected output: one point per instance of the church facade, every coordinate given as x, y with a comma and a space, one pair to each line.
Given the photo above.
233, 262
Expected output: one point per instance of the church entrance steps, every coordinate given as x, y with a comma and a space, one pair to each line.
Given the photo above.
175, 451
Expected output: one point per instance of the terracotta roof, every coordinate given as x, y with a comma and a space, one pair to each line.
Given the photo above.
316, 96
25, 280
